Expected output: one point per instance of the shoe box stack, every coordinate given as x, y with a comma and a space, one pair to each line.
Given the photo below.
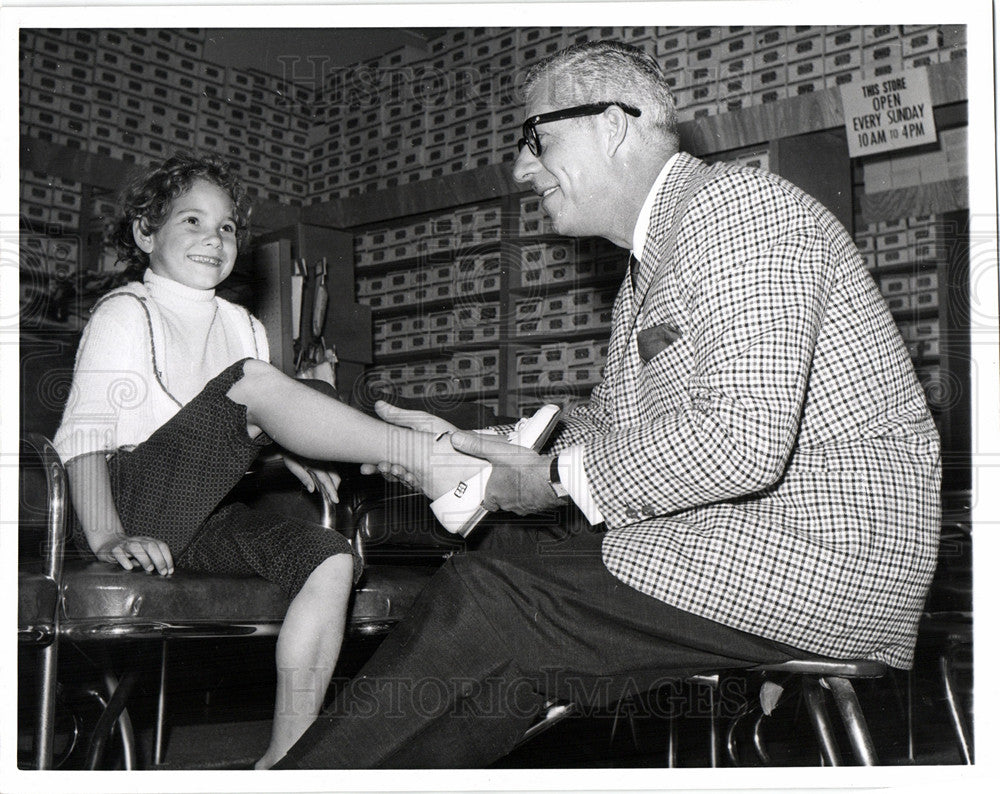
135, 94
572, 312
722, 69
447, 255
410, 116
459, 376
433, 284
558, 364
50, 212
138, 94
949, 160
414, 115
906, 257
54, 226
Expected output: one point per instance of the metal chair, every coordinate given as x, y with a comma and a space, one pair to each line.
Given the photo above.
946, 624
89, 602
813, 677
92, 602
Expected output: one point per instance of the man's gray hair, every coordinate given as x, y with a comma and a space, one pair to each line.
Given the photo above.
607, 71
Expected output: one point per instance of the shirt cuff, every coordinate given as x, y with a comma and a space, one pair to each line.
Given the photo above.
574, 477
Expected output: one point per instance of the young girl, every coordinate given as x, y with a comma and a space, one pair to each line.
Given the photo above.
173, 398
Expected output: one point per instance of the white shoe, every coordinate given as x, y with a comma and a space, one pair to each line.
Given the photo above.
461, 510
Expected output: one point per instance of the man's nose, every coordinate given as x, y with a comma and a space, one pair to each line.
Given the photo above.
525, 165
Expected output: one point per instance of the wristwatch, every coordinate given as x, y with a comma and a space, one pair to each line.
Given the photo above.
557, 487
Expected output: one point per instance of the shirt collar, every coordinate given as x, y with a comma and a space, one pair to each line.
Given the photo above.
167, 289
642, 223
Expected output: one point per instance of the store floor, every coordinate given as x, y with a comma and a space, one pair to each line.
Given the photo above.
220, 700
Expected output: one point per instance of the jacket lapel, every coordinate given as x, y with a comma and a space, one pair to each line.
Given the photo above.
678, 178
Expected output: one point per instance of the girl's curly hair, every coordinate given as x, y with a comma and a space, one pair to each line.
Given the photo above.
148, 199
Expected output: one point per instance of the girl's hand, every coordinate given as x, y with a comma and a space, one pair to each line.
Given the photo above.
328, 481
131, 550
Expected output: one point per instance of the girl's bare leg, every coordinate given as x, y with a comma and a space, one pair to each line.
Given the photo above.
308, 647
310, 424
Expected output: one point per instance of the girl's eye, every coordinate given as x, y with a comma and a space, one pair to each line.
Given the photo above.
229, 228
191, 219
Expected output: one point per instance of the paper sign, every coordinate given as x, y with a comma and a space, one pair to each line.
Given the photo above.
890, 112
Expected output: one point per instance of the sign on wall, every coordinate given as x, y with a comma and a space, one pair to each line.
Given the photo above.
889, 112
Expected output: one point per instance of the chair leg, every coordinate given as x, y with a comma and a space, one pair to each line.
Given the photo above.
671, 741
109, 717
628, 706
731, 750
958, 720
816, 706
713, 728
555, 712
711, 683
854, 720
124, 726
46, 718
758, 740
614, 724
911, 750
161, 709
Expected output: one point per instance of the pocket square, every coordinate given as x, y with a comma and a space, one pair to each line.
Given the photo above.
653, 341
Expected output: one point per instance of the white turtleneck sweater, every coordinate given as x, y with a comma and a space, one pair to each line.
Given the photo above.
147, 350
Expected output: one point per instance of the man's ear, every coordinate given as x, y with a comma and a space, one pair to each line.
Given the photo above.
616, 121
142, 237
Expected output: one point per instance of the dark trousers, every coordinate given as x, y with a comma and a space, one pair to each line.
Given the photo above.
525, 617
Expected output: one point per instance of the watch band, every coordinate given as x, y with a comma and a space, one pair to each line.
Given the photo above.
554, 481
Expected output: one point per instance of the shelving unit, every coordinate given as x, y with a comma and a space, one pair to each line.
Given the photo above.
932, 313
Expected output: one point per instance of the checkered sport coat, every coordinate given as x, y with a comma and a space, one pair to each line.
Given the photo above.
772, 465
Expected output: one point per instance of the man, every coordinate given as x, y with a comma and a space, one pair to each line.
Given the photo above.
759, 452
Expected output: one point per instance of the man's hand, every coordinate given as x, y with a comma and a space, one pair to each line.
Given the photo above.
440, 468
149, 553
328, 481
415, 420
520, 478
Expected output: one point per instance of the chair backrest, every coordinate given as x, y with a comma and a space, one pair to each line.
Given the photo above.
55, 511
388, 519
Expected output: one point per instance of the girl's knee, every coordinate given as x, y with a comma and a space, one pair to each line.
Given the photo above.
335, 575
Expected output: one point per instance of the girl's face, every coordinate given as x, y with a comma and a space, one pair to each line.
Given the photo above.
196, 245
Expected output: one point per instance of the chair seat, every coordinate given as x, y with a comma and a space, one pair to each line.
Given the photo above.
404, 523
102, 600
845, 668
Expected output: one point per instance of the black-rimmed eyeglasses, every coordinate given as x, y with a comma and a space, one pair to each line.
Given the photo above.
530, 134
